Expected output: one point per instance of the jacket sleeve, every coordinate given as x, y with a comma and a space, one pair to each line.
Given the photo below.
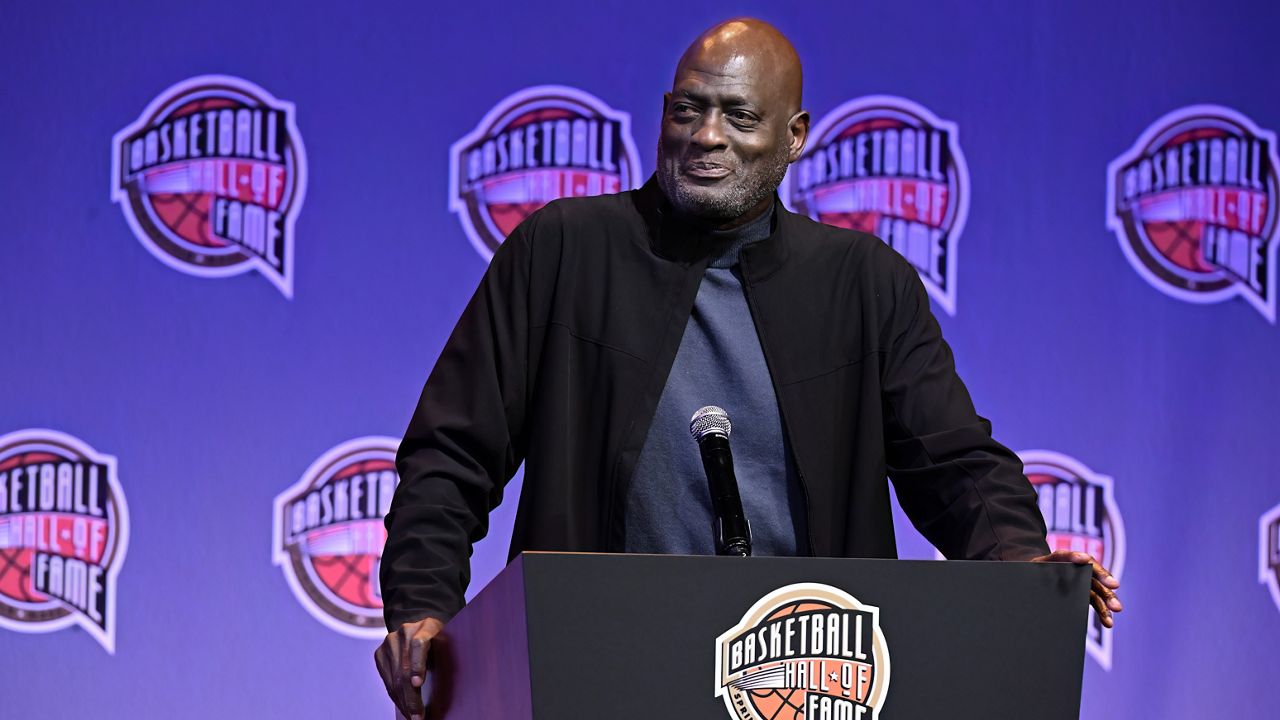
962, 490
465, 441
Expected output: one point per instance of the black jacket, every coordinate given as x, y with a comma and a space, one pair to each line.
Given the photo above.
561, 355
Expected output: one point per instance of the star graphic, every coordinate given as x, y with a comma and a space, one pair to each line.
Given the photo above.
835, 677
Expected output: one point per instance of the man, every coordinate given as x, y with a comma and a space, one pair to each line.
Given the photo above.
602, 322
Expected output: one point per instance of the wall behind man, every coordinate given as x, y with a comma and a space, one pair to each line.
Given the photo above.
216, 396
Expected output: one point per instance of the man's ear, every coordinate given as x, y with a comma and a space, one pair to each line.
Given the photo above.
798, 129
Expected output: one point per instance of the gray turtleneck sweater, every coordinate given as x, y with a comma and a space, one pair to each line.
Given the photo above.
720, 362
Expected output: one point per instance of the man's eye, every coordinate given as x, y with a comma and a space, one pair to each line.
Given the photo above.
682, 109
742, 117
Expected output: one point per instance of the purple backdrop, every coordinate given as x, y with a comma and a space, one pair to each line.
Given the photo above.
231, 254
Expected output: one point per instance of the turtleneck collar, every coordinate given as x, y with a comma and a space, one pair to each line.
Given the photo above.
727, 245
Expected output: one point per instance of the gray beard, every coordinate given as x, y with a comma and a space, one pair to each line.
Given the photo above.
721, 204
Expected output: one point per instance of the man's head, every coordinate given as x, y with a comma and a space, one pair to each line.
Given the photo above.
731, 123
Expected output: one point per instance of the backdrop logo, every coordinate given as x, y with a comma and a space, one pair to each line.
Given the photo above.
1193, 203
211, 177
328, 534
1080, 512
64, 529
887, 166
537, 145
1269, 552
804, 651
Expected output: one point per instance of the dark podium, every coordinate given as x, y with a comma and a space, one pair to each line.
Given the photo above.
565, 636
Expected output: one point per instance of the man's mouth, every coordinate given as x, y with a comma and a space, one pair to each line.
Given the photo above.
706, 170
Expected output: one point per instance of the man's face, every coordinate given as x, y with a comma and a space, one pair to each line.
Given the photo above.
725, 143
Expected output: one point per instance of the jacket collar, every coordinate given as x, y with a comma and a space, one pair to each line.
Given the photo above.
673, 240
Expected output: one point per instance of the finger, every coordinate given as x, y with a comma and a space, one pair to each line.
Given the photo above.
390, 653
1102, 574
411, 672
1101, 608
403, 660
391, 665
418, 658
411, 701
1099, 572
382, 658
1103, 581
1108, 596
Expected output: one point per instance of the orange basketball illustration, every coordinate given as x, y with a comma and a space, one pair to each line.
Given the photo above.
801, 650
15, 575
784, 703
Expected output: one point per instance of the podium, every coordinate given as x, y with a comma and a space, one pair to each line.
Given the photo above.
563, 636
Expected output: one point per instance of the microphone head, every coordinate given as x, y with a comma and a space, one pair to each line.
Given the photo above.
710, 420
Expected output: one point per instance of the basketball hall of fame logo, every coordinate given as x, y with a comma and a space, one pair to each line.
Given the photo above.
888, 166
537, 145
1193, 203
1080, 512
1269, 552
328, 534
804, 651
211, 177
64, 529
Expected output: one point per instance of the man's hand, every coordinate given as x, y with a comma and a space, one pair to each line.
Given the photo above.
402, 663
1103, 596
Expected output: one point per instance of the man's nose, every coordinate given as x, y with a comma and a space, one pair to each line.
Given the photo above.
710, 133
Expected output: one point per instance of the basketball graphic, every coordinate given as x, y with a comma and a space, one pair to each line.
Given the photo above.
784, 703
804, 650
1269, 552
537, 145
211, 177
1081, 515
1193, 204
888, 166
328, 534
64, 530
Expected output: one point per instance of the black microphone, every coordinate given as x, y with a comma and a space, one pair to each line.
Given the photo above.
710, 427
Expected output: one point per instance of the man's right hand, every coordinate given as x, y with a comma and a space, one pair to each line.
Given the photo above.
402, 663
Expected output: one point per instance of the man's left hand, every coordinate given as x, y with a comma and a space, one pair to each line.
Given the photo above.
1103, 595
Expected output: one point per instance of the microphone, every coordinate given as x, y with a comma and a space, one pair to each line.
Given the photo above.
710, 427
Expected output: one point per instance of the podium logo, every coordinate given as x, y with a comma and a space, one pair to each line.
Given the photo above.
887, 166
537, 145
807, 651
1080, 512
1269, 552
328, 534
64, 529
211, 177
1193, 203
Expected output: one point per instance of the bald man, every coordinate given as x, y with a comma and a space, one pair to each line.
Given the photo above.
603, 323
